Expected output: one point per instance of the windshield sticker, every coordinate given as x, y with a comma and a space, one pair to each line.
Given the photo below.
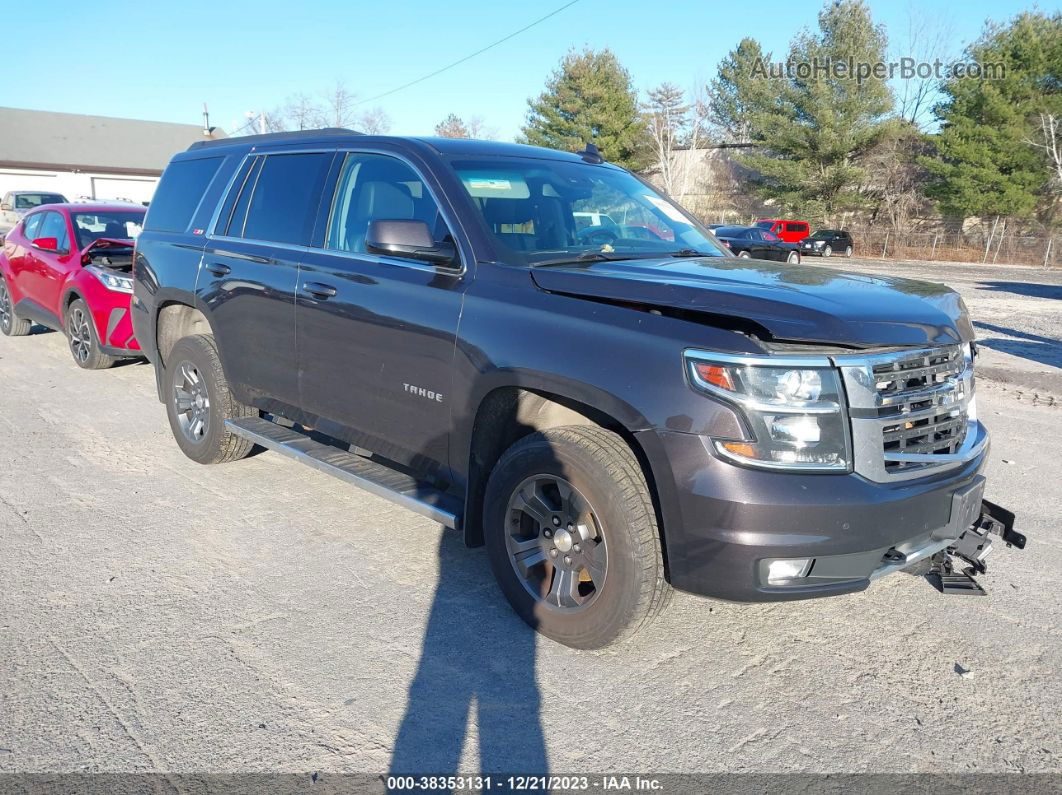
494, 185
666, 208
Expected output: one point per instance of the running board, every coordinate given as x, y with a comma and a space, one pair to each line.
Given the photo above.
398, 487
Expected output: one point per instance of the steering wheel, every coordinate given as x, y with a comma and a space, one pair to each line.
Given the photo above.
599, 236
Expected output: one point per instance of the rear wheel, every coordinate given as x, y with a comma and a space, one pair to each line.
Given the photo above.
81, 336
10, 323
827, 252
848, 251
572, 536
198, 401
745, 255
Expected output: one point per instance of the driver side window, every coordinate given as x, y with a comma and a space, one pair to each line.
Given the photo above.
54, 225
31, 226
375, 187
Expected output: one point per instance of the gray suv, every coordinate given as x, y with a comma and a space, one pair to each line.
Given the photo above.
613, 409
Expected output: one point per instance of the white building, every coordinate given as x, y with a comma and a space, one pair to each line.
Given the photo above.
93, 157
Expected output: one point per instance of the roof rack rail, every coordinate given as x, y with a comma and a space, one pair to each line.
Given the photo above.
277, 136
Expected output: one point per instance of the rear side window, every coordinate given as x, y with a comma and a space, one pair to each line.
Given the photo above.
179, 193
796, 227
283, 206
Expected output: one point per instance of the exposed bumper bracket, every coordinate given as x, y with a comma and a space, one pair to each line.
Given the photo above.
972, 547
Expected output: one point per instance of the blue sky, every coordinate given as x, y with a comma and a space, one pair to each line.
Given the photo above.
162, 61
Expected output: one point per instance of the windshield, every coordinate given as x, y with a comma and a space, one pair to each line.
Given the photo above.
557, 211
111, 224
27, 201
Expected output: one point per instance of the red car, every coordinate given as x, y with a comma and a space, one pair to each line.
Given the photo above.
789, 231
69, 267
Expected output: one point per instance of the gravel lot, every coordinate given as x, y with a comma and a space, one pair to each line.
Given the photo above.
162, 616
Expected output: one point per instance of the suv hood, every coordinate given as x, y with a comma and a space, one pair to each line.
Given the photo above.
794, 303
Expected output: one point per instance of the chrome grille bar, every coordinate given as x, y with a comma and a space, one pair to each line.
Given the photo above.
911, 412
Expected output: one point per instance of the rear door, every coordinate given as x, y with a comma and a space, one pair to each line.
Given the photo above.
376, 334
250, 270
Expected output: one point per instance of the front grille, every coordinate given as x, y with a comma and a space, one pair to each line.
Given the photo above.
922, 405
910, 411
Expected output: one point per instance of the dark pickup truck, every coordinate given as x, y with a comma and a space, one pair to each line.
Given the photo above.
613, 413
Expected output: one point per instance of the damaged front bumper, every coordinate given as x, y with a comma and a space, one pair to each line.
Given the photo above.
971, 548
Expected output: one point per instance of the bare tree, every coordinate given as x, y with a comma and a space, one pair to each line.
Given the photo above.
927, 39
676, 128
1051, 132
453, 126
340, 106
373, 121
303, 113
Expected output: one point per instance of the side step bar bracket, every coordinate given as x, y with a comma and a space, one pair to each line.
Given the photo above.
398, 487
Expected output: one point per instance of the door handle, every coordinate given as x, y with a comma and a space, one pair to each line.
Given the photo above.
218, 269
318, 290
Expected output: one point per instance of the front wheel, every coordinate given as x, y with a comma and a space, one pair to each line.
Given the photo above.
793, 258
10, 323
82, 338
827, 252
572, 536
198, 401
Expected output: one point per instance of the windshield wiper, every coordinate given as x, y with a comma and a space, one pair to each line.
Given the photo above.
690, 252
586, 256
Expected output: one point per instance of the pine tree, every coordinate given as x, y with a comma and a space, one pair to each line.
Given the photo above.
987, 162
452, 127
740, 91
590, 99
813, 128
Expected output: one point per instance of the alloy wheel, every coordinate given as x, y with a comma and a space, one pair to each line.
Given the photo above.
555, 543
828, 251
5, 308
794, 258
848, 251
192, 402
77, 327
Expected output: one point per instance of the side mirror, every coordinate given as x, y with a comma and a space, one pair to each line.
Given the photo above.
46, 243
5, 207
410, 239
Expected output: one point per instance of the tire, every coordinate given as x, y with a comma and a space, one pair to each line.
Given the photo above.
848, 251
10, 323
82, 340
793, 258
607, 533
745, 255
194, 378
827, 252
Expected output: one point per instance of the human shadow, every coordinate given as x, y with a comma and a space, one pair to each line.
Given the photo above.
1034, 347
477, 662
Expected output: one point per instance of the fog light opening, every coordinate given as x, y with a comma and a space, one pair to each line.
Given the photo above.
779, 571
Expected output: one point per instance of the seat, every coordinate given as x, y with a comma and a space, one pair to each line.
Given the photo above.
511, 213
376, 201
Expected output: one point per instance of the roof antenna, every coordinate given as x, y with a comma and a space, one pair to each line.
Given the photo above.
591, 154
207, 129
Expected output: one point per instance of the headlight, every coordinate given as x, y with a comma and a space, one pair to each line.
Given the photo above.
111, 280
793, 406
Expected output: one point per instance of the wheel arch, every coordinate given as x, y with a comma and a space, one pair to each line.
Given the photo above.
507, 413
174, 320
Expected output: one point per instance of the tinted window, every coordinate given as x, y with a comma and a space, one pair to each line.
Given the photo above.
239, 197
33, 223
764, 224
770, 237
54, 225
377, 188
27, 201
285, 199
796, 227
730, 231
179, 193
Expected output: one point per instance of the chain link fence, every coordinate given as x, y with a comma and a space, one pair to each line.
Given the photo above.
1040, 250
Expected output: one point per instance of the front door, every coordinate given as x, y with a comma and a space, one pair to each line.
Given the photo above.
249, 273
376, 334
50, 269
